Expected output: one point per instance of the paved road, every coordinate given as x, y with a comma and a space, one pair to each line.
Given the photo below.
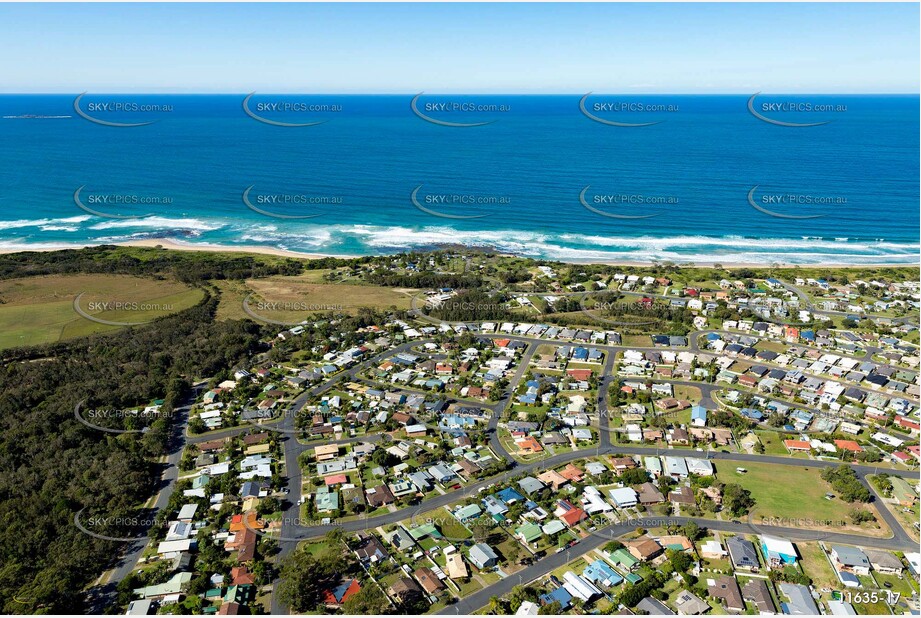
103, 596
693, 338
693, 346
291, 532
475, 601
807, 304
811, 306
865, 357
604, 413
302, 532
502, 403
709, 402
293, 450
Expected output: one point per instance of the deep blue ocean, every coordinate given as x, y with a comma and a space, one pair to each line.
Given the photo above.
711, 181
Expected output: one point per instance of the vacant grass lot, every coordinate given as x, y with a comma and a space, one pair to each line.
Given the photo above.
773, 443
38, 310
688, 393
773, 346
796, 494
815, 564
303, 296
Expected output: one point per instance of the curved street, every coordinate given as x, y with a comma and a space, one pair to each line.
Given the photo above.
292, 532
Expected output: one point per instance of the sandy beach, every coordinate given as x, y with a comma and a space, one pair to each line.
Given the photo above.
166, 243
169, 244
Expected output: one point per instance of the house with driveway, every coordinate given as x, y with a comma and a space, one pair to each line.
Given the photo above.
482, 556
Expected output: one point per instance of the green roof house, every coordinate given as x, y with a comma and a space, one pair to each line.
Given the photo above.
902, 491
326, 500
529, 532
420, 532
624, 558
468, 512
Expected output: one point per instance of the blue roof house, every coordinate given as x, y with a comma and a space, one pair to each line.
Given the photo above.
600, 572
560, 594
699, 416
509, 495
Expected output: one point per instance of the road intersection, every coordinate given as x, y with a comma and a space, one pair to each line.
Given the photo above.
292, 531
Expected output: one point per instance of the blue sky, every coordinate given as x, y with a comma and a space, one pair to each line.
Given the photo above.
475, 48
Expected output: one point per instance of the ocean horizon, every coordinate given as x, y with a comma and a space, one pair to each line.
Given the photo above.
792, 179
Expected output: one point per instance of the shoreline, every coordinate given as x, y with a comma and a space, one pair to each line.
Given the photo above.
170, 244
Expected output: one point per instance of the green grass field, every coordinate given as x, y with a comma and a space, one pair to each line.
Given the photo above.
773, 346
797, 496
816, 565
311, 295
688, 393
773, 444
38, 310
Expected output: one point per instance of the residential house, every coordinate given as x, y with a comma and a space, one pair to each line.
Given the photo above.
654, 607
341, 593
689, 604
726, 589
370, 549
778, 551
884, 562
756, 592
650, 494
404, 589
850, 559
552, 478
579, 587
743, 554
428, 580
624, 497
482, 556
530, 485
457, 569
644, 549
800, 601
379, 496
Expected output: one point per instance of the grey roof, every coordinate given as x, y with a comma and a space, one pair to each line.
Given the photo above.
182, 562
841, 608
401, 538
481, 553
851, 556
420, 479
884, 559
530, 484
801, 603
689, 603
742, 552
654, 607
439, 471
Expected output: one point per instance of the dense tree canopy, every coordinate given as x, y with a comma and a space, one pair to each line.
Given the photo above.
181, 265
52, 465
306, 576
844, 480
